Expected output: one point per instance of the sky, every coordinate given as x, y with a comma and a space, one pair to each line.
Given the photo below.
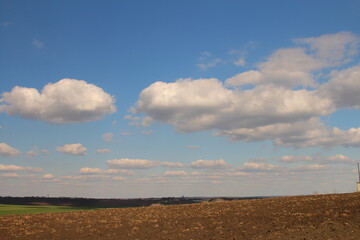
127, 99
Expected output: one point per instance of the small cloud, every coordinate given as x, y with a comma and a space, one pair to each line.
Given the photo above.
119, 178
258, 167
11, 168
37, 43
209, 64
119, 171
171, 164
97, 171
336, 159
32, 153
103, 150
147, 132
8, 151
207, 61
132, 163
146, 122
48, 176
206, 54
210, 164
107, 137
45, 151
175, 173
193, 147
141, 163
234, 174
15, 175
306, 168
11, 175
87, 170
73, 149
240, 62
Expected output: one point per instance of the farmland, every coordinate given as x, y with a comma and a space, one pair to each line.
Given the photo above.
31, 209
333, 216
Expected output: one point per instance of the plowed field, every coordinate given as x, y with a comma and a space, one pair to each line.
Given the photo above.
335, 216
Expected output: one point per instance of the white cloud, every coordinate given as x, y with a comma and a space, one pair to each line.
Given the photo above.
171, 164
175, 173
96, 171
286, 67
16, 175
140, 163
37, 43
73, 149
306, 168
293, 159
48, 176
32, 153
45, 151
310, 133
147, 132
239, 173
344, 88
221, 163
290, 91
119, 171
253, 166
207, 61
291, 67
11, 175
338, 158
333, 49
102, 150
8, 151
132, 163
87, 170
210, 64
86, 177
240, 62
119, 178
107, 137
203, 104
19, 168
66, 101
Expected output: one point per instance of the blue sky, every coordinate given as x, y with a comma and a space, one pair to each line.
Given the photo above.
172, 98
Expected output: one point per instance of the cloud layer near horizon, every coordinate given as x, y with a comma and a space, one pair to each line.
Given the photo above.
282, 100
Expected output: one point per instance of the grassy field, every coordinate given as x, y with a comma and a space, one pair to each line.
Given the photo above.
31, 209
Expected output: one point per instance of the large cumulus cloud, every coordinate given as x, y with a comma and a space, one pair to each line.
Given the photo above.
63, 102
288, 95
203, 104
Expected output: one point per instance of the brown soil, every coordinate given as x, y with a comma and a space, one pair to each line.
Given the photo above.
335, 216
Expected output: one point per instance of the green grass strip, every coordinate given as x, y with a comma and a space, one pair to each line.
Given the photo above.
32, 209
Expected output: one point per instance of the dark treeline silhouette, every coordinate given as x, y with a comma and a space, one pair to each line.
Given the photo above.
107, 203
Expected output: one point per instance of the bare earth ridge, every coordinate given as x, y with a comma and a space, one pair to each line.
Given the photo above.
333, 216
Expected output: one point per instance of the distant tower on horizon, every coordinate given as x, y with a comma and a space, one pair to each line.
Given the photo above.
358, 183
